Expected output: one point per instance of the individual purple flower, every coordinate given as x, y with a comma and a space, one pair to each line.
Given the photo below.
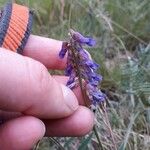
80, 65
81, 39
71, 78
91, 64
68, 70
94, 94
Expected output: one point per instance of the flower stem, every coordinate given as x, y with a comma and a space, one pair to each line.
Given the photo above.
75, 56
79, 76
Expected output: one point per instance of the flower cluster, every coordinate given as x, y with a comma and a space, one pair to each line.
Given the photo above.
80, 65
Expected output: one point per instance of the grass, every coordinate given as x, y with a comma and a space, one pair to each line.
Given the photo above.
122, 30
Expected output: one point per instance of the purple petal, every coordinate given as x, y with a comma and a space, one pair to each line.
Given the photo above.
94, 83
83, 54
91, 42
63, 50
83, 40
94, 76
92, 64
71, 78
68, 70
98, 96
70, 81
62, 53
79, 37
89, 87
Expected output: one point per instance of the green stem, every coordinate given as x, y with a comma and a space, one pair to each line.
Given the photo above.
70, 14
84, 96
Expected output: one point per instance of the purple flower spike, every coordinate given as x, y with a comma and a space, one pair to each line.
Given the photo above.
81, 66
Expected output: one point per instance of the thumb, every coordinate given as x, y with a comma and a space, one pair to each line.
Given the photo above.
27, 87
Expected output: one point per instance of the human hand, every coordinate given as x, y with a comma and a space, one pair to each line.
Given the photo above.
32, 102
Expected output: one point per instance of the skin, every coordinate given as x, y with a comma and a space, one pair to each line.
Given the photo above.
32, 102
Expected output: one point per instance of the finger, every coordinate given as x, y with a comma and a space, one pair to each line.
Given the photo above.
4, 115
27, 87
45, 50
78, 124
21, 133
77, 90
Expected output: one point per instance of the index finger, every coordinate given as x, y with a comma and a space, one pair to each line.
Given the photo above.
45, 50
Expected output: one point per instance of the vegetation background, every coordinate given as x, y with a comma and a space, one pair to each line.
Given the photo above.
122, 31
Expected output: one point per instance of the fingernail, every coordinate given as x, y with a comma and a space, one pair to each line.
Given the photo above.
70, 98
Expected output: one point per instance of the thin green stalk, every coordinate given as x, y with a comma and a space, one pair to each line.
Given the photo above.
84, 96
70, 14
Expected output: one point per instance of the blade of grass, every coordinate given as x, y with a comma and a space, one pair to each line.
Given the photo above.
132, 120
